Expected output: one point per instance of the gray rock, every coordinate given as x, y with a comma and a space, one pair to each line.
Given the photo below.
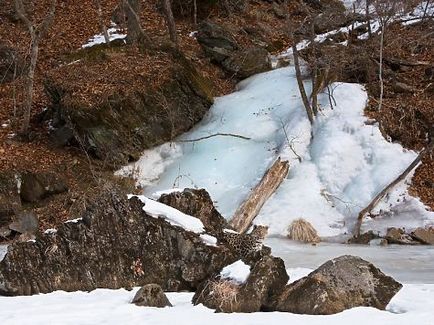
217, 42
341, 283
245, 63
196, 203
26, 222
267, 278
151, 295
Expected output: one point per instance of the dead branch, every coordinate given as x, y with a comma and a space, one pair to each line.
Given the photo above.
388, 188
216, 135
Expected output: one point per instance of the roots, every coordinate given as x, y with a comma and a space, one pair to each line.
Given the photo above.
225, 292
302, 230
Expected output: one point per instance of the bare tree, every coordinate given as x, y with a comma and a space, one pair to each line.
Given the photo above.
136, 34
170, 21
37, 32
101, 21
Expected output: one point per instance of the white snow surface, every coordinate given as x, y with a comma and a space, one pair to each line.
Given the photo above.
113, 33
413, 304
173, 216
237, 272
342, 168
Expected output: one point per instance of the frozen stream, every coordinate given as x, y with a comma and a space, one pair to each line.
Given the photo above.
407, 264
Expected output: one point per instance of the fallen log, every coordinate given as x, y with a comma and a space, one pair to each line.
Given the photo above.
250, 208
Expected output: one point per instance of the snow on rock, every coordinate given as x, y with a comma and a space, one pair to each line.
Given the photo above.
157, 194
3, 251
237, 272
50, 231
209, 240
113, 32
173, 216
73, 220
297, 273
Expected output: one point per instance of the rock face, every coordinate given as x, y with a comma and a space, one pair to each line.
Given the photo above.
399, 236
342, 283
151, 295
118, 126
9, 198
114, 244
219, 44
246, 63
196, 203
267, 278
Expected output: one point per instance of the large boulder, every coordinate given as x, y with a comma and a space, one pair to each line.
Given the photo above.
112, 244
424, 235
341, 283
217, 42
266, 279
151, 295
116, 113
245, 63
196, 203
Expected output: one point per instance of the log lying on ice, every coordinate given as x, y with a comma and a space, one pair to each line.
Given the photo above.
250, 208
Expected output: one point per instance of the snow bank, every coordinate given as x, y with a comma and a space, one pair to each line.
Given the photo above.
237, 272
172, 215
412, 305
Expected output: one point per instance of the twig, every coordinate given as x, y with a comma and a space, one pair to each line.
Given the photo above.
215, 135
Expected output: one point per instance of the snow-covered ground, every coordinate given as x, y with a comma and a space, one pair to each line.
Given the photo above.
342, 168
414, 304
113, 32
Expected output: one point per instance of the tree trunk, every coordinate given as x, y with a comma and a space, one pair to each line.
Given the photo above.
170, 21
135, 32
101, 21
250, 208
300, 84
380, 74
28, 88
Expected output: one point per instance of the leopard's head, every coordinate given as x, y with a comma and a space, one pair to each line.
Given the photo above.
259, 231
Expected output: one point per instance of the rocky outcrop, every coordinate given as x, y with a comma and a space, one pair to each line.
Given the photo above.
151, 295
399, 236
341, 283
128, 114
113, 244
221, 47
197, 203
245, 63
267, 278
9, 198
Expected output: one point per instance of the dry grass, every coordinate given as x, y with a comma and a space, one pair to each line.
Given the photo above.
302, 230
225, 292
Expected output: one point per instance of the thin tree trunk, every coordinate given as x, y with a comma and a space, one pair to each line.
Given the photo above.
368, 19
28, 88
101, 21
135, 34
195, 12
170, 21
380, 74
250, 208
300, 84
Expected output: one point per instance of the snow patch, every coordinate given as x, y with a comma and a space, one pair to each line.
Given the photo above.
50, 231
113, 33
237, 272
74, 220
173, 216
209, 240
158, 194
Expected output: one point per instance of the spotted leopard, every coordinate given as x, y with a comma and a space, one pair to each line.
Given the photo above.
245, 244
